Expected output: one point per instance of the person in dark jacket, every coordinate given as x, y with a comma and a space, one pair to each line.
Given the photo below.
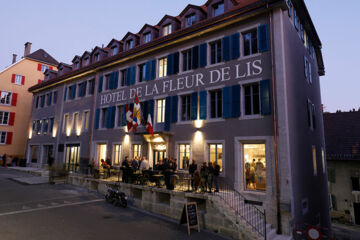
192, 169
216, 175
210, 176
204, 171
125, 169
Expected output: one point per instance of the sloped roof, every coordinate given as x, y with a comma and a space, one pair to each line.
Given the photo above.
342, 135
42, 56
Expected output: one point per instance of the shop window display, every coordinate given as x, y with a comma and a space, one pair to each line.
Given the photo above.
255, 167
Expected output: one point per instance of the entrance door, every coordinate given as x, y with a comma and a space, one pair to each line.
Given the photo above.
48, 155
72, 157
100, 153
159, 155
357, 213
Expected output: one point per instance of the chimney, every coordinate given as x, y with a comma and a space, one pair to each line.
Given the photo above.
27, 49
14, 58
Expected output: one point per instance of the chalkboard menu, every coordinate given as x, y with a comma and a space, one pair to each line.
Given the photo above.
190, 217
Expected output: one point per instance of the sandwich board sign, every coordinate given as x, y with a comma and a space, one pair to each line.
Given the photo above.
190, 216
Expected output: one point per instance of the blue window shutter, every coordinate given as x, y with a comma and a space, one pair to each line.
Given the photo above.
176, 63
100, 84
111, 81
195, 57
65, 92
203, 106
226, 48
203, 55
97, 118
113, 114
194, 106
148, 71
170, 63
133, 75
151, 109
153, 69
235, 107
263, 38
235, 46
49, 99
265, 97
116, 80
174, 109
167, 113
226, 102
128, 76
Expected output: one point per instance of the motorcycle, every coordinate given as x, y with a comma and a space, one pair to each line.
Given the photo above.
116, 197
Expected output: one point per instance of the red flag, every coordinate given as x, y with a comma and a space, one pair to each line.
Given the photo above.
149, 126
129, 118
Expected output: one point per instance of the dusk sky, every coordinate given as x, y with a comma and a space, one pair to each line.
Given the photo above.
68, 28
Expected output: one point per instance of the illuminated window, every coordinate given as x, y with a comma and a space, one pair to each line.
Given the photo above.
162, 67
136, 150
323, 160
167, 29
255, 167
314, 160
216, 154
184, 156
86, 120
101, 153
160, 116
252, 99
116, 154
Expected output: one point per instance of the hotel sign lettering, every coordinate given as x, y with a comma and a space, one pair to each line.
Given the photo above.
208, 77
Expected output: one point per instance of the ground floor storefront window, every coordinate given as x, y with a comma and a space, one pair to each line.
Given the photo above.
72, 157
100, 153
255, 167
34, 156
184, 156
136, 150
116, 154
216, 154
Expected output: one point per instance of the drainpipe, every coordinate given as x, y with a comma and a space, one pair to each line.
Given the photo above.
273, 65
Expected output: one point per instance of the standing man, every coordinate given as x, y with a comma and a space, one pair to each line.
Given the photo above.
192, 169
216, 175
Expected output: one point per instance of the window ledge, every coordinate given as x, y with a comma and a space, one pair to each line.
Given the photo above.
210, 120
185, 72
215, 65
248, 117
250, 56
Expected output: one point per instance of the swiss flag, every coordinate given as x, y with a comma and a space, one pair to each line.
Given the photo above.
14, 99
51, 68
149, 126
39, 67
9, 136
129, 118
13, 78
12, 119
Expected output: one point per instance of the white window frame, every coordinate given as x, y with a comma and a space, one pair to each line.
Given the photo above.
4, 95
146, 40
65, 122
18, 79
167, 29
1, 135
118, 152
75, 121
44, 67
2, 118
192, 18
86, 120
181, 107
162, 67
207, 153
140, 146
209, 104
216, 43
243, 112
162, 117
178, 154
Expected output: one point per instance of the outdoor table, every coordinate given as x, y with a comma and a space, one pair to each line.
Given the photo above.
157, 179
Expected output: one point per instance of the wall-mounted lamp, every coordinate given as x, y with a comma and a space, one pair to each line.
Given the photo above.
199, 124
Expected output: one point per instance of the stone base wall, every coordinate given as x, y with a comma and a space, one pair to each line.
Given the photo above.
213, 214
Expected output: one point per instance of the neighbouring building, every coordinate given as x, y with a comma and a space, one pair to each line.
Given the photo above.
232, 81
15, 99
342, 138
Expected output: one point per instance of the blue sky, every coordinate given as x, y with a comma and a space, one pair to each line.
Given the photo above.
68, 28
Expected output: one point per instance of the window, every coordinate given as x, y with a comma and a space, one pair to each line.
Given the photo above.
34, 126
184, 156
77, 64
103, 117
250, 42
55, 97
255, 167
323, 160
3, 137
116, 154
91, 87
46, 126
38, 126
142, 72
114, 50
216, 104
129, 44
4, 118
76, 120
97, 57
44, 68
252, 99
136, 150
307, 70
290, 7
42, 101
18, 79
107, 82
185, 108
215, 52
190, 20
48, 99
86, 120
87, 61
51, 125
6, 98
167, 29
162, 67
65, 123
121, 119
311, 115
216, 154
296, 20
147, 37
123, 77
218, 9
160, 116
187, 64
314, 160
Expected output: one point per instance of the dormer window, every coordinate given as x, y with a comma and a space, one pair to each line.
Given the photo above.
77, 64
129, 44
218, 9
87, 61
97, 57
167, 29
114, 50
61, 70
147, 37
190, 20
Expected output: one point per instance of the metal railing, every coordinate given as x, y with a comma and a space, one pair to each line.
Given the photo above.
250, 214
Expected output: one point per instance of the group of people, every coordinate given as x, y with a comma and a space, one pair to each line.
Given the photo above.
204, 177
130, 166
8, 160
167, 164
254, 173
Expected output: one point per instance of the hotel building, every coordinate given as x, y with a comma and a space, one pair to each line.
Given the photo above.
232, 81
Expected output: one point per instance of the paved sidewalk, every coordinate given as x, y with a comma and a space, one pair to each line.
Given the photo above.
33, 171
33, 180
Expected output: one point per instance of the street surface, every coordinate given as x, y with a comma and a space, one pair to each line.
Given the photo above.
58, 212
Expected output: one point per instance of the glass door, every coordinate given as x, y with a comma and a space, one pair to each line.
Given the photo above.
100, 153
159, 155
72, 157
